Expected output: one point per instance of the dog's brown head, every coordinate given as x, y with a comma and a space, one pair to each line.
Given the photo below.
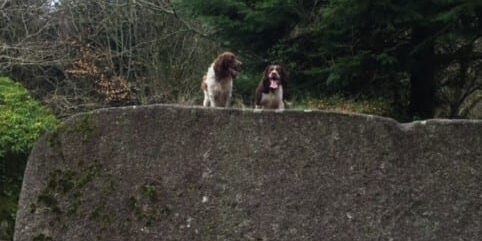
274, 76
227, 65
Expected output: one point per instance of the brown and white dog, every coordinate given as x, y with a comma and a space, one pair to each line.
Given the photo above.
217, 84
271, 91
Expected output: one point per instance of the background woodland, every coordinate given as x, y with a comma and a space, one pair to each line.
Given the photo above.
407, 59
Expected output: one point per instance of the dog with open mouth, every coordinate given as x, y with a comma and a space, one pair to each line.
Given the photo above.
217, 84
271, 91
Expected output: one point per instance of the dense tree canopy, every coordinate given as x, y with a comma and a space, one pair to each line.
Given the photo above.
253, 26
378, 48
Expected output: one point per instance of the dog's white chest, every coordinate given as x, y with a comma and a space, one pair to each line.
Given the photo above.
226, 86
269, 97
272, 100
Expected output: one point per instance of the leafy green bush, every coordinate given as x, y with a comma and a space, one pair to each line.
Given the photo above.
22, 121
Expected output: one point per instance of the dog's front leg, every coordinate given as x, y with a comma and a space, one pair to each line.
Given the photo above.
206, 99
281, 106
228, 101
228, 98
212, 100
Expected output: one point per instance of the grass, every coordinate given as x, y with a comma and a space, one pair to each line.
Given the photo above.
335, 103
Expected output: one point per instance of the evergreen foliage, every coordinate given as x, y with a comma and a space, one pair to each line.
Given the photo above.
367, 48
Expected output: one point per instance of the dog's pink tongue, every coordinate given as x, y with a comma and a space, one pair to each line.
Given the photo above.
274, 84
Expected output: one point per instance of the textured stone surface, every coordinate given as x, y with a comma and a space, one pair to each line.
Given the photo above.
176, 173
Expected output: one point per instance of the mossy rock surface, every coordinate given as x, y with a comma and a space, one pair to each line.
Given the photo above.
165, 172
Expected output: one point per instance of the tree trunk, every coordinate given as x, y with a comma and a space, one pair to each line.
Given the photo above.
422, 69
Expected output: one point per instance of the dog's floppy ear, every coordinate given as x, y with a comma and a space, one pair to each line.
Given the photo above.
220, 66
266, 72
265, 78
284, 80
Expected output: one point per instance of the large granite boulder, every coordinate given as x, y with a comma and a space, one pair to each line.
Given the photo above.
186, 173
